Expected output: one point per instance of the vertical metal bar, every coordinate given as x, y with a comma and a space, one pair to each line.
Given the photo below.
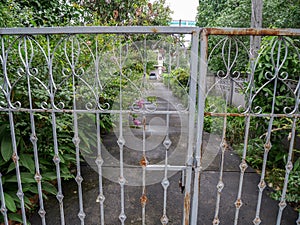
33, 138
99, 163
144, 164
15, 158
56, 158
220, 184
144, 161
177, 51
267, 145
121, 143
243, 165
289, 165
3, 206
76, 139
192, 106
99, 159
200, 116
165, 182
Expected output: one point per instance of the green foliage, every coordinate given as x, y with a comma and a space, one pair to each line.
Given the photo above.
281, 13
224, 13
74, 12
132, 73
231, 13
277, 156
135, 12
288, 74
178, 81
276, 180
37, 13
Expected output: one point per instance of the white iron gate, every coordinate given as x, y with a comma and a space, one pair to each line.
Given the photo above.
63, 89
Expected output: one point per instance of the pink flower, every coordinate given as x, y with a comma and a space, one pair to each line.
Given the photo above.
137, 122
140, 103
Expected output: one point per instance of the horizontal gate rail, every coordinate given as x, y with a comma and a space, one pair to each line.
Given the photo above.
35, 69
228, 48
251, 31
79, 56
98, 30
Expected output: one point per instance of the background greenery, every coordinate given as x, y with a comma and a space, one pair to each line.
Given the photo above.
42, 13
276, 14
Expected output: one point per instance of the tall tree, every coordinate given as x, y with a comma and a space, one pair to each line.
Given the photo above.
128, 12
83, 12
231, 13
256, 22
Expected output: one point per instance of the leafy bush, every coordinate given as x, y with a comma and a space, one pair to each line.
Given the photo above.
178, 81
276, 76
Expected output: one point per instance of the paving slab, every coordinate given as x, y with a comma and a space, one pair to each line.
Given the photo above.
178, 131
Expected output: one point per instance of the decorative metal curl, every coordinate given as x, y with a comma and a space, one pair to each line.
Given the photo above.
235, 75
240, 109
59, 106
15, 105
45, 105
283, 76
20, 72
90, 106
33, 71
3, 105
93, 106
65, 72
181, 108
212, 108
257, 110
150, 107
269, 75
221, 74
103, 107
79, 72
288, 110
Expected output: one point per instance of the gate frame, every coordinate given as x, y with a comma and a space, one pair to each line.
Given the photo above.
198, 77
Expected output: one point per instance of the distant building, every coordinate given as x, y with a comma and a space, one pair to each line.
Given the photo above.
160, 62
183, 23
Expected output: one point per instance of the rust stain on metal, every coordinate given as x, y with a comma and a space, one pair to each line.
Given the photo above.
144, 122
144, 162
154, 30
224, 114
224, 144
194, 32
250, 114
250, 31
268, 146
143, 200
187, 205
238, 203
15, 158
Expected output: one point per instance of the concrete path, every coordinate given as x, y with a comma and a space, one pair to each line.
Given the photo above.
154, 207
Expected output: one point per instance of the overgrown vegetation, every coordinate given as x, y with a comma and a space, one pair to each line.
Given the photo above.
178, 82
261, 96
276, 14
39, 13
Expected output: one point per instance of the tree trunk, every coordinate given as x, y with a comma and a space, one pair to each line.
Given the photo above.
256, 22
